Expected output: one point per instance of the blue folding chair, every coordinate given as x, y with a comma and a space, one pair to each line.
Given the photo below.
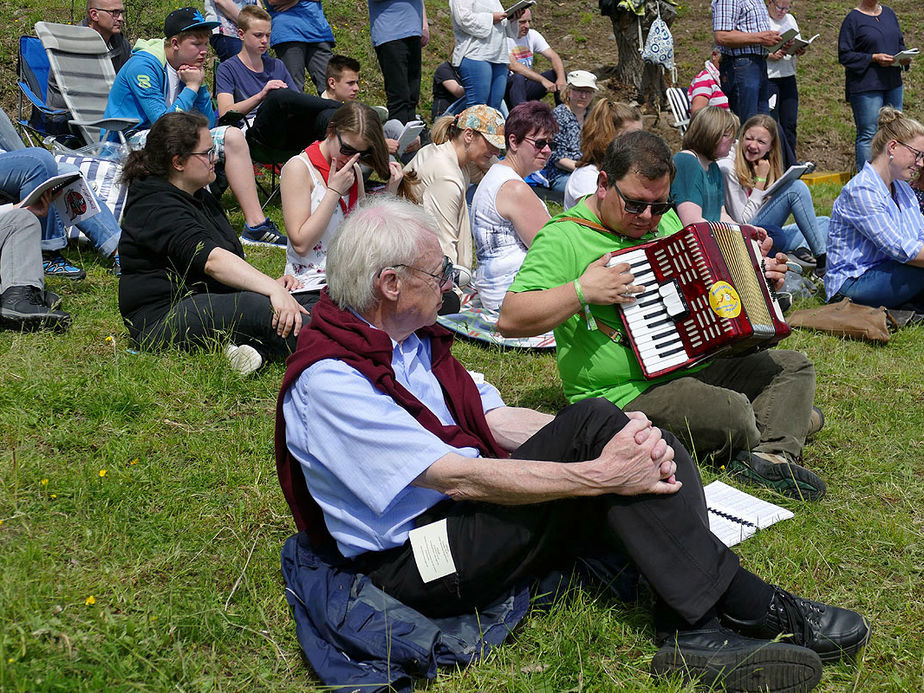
33, 68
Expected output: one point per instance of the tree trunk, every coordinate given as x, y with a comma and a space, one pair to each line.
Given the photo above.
647, 79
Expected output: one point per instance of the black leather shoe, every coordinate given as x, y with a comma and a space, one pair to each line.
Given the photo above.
720, 657
25, 308
832, 632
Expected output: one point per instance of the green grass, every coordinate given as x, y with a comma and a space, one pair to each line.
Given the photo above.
178, 542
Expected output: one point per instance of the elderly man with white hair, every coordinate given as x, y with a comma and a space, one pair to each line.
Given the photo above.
425, 481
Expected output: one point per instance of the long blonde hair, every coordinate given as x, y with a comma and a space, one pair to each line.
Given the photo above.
744, 170
602, 124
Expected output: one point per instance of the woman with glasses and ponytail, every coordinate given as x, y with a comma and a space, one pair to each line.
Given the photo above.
876, 235
184, 280
506, 213
322, 184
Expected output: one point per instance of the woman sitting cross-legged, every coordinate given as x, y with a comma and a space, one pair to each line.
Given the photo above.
757, 163
876, 237
506, 213
184, 277
322, 184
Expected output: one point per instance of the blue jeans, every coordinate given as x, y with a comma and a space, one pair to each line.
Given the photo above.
890, 284
23, 170
744, 81
484, 82
866, 107
809, 231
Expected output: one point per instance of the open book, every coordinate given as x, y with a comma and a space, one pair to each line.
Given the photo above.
792, 173
409, 134
521, 5
798, 43
785, 38
907, 53
735, 515
71, 197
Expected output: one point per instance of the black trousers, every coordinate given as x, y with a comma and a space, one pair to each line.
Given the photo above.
244, 317
400, 63
289, 120
495, 547
521, 88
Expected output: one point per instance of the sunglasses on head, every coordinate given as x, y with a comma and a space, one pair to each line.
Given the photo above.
639, 206
347, 150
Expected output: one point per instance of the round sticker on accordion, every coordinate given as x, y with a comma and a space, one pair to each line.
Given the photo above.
724, 300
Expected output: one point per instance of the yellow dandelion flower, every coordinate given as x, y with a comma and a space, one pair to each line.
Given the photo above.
102, 472
90, 601
1, 522
44, 482
54, 495
10, 660
109, 338
134, 461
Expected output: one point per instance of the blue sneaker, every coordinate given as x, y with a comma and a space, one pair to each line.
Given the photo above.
266, 233
55, 265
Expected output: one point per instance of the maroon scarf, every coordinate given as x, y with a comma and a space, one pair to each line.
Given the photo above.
323, 165
339, 334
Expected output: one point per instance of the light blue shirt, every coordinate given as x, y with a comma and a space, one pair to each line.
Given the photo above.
869, 226
359, 450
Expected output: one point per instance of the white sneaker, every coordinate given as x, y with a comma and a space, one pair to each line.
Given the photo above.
244, 359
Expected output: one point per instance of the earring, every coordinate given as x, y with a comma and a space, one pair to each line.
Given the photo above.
891, 157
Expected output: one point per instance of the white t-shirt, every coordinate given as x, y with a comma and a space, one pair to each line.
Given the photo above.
525, 47
787, 66
581, 182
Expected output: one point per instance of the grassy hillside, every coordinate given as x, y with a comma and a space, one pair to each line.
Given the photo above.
141, 520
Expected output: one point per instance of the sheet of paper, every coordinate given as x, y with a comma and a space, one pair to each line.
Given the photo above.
521, 5
76, 202
907, 53
794, 172
786, 37
55, 184
409, 134
729, 531
430, 545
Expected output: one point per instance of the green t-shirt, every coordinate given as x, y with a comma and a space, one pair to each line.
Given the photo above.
693, 184
589, 363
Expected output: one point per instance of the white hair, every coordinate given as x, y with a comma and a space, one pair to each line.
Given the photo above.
383, 231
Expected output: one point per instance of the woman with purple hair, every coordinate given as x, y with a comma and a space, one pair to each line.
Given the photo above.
506, 213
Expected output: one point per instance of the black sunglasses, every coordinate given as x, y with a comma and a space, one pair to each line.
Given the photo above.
638, 206
542, 144
445, 275
347, 150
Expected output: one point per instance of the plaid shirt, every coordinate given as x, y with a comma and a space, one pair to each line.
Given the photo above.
749, 16
869, 226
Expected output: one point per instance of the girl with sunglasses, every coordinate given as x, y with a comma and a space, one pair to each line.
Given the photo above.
184, 280
506, 213
876, 237
320, 185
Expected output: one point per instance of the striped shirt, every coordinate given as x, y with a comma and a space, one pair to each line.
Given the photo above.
869, 226
706, 84
749, 16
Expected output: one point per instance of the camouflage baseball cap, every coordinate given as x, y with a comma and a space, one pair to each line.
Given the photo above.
486, 120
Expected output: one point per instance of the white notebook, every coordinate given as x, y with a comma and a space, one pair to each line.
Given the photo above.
735, 515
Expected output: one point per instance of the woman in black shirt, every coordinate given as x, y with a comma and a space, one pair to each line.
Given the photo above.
184, 277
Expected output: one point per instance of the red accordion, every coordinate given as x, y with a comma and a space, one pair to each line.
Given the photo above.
705, 294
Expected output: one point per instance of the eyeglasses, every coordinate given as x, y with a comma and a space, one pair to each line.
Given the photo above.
445, 275
347, 150
209, 154
918, 154
780, 9
639, 206
542, 144
115, 13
